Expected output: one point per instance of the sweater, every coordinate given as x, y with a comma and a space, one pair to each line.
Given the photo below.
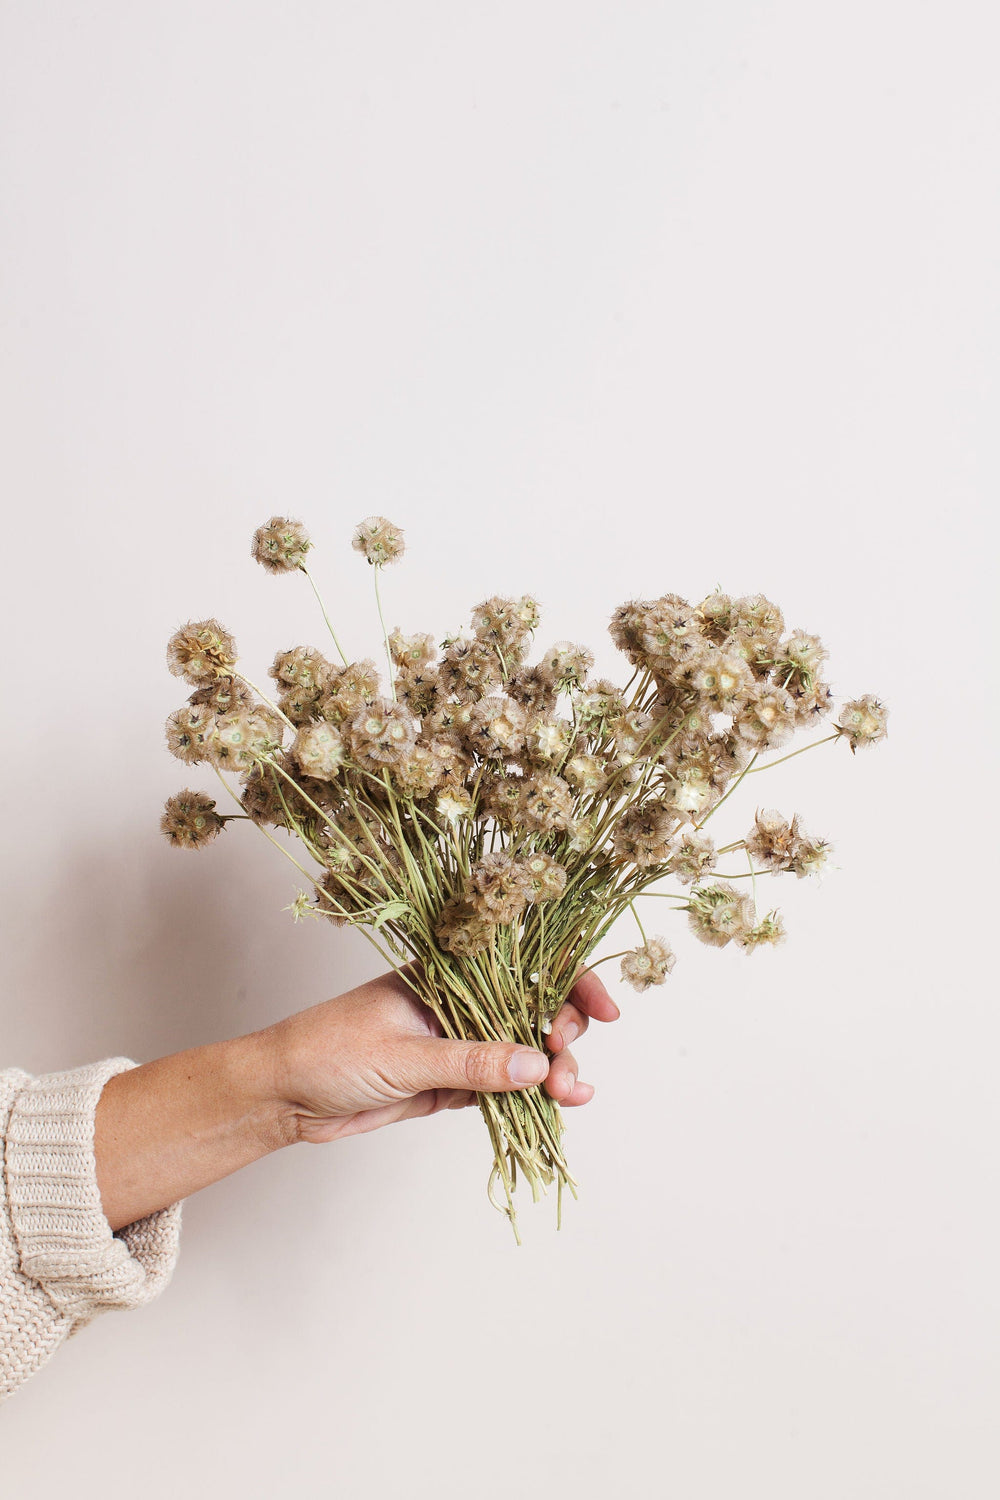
60, 1264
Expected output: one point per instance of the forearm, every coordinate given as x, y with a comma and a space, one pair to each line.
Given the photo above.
170, 1127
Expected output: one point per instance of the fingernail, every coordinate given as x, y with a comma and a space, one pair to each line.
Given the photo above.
570, 1032
527, 1066
570, 1085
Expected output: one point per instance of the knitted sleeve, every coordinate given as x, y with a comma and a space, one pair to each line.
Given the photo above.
60, 1264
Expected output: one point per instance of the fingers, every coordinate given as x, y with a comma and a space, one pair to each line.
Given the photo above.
563, 1083
482, 1067
589, 996
567, 1024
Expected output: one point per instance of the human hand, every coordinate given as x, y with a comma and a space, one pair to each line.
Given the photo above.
375, 1055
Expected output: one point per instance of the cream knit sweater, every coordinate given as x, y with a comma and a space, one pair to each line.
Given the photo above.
60, 1265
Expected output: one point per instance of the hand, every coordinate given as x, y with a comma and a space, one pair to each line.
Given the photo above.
376, 1055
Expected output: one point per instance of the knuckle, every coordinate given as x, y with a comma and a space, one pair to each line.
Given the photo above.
480, 1067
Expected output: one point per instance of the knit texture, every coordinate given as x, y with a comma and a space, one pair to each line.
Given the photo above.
60, 1264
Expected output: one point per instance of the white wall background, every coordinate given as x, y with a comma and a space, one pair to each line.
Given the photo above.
598, 300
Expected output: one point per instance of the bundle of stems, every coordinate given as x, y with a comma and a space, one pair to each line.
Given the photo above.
487, 821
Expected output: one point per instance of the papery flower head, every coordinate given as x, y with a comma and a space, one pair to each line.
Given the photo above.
454, 803
779, 845
304, 668
319, 750
597, 702
642, 834
648, 965
548, 740
767, 717
418, 690
500, 799
721, 679
798, 659
378, 540
200, 651
586, 774
419, 772
534, 689
190, 821
501, 887
548, 877
189, 731
496, 727
863, 721
770, 930
350, 689
382, 733
502, 624
280, 545
224, 695
670, 636
567, 664
718, 913
241, 738
692, 856
411, 651
546, 804
756, 615
260, 797
462, 930
469, 669
716, 612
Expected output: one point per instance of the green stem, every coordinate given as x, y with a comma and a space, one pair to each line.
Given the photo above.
791, 756
385, 634
340, 649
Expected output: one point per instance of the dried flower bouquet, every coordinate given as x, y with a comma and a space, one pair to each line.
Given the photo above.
487, 821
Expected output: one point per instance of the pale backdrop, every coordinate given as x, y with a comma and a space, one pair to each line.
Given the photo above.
596, 300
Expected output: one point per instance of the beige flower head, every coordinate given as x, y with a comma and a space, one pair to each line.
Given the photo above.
319, 750
454, 803
798, 659
721, 679
755, 615
863, 721
648, 965
241, 739
567, 664
303, 668
462, 930
411, 652
692, 856
378, 540
718, 913
547, 875
224, 695
190, 821
767, 717
382, 733
769, 931
500, 799
502, 887
201, 651
189, 731
417, 690
642, 834
280, 545
716, 611
779, 845
586, 774
546, 804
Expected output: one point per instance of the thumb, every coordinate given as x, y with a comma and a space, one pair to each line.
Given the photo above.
485, 1067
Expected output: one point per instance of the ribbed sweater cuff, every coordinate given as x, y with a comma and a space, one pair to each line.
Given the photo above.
64, 1240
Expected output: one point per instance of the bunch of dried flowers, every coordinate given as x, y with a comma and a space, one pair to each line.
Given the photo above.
486, 821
